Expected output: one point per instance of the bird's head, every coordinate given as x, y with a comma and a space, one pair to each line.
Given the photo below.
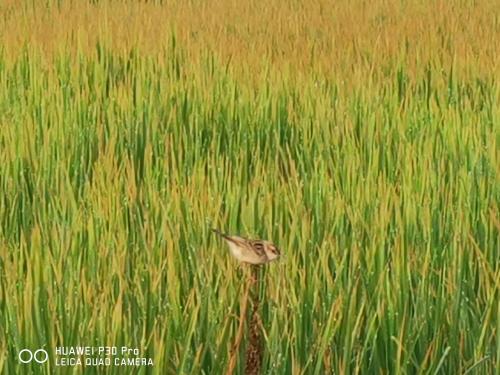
272, 251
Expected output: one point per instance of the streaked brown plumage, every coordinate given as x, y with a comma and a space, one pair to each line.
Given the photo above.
250, 251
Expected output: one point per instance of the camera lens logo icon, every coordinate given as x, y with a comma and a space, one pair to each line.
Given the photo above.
27, 356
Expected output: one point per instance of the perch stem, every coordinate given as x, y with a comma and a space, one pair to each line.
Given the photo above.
241, 326
254, 350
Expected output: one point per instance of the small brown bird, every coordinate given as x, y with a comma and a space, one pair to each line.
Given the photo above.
250, 251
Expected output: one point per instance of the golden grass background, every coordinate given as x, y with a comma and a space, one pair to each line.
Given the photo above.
362, 136
342, 37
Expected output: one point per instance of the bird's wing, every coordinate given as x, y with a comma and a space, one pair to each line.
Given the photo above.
258, 246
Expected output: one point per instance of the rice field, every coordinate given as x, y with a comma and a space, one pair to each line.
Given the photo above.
361, 137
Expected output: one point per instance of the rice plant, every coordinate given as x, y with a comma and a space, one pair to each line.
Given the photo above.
361, 138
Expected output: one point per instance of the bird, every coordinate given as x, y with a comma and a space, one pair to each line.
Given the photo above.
250, 251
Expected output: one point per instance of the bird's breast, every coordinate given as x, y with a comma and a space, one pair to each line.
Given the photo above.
244, 255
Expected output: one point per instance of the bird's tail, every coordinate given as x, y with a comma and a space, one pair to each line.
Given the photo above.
221, 234
215, 230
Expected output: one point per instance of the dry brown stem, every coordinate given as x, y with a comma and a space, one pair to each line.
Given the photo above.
239, 335
254, 350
